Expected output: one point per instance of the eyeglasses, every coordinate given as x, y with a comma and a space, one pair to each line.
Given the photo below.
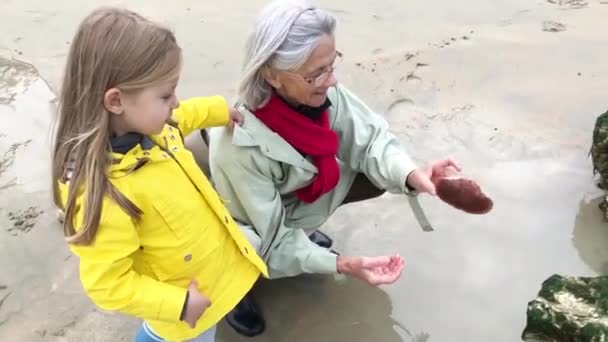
319, 80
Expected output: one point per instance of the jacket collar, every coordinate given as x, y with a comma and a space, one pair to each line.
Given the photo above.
255, 133
125, 143
128, 150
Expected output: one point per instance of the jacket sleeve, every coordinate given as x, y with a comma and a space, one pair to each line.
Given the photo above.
201, 112
367, 145
253, 199
109, 280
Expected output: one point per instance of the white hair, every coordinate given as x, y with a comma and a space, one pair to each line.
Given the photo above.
285, 34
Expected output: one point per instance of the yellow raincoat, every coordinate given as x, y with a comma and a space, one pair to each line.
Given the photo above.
143, 268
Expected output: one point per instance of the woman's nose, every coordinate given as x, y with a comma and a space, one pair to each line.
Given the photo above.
331, 80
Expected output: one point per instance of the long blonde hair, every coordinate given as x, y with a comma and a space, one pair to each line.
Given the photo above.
113, 48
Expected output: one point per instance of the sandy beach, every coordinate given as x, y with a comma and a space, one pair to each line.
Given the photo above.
511, 89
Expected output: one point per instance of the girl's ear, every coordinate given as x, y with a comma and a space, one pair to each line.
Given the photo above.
113, 102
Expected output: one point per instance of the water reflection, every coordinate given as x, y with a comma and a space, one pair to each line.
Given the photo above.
318, 308
590, 235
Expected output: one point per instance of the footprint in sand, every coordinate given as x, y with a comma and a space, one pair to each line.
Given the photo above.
553, 26
382, 61
399, 101
7, 159
15, 78
3, 299
23, 220
452, 40
570, 4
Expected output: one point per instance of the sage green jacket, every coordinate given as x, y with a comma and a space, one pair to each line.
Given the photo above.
257, 172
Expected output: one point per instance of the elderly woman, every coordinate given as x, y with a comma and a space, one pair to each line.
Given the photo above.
307, 146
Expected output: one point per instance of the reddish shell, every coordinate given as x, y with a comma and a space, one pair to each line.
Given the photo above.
463, 194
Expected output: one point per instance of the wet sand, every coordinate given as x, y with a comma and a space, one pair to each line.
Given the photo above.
481, 81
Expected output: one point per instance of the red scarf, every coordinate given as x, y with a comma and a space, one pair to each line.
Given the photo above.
313, 138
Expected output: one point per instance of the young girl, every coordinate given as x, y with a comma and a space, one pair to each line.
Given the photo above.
153, 238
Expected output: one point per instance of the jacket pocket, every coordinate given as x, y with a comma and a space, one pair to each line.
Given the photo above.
181, 216
183, 265
186, 251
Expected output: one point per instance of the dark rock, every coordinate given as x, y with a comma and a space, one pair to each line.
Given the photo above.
569, 309
599, 156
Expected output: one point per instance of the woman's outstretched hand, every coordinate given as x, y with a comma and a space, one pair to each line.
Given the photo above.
421, 178
372, 270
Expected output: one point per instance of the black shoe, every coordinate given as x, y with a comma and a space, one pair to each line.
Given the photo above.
246, 318
321, 239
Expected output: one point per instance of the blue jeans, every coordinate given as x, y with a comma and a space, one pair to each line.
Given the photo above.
145, 334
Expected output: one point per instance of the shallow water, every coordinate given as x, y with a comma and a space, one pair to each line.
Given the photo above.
476, 80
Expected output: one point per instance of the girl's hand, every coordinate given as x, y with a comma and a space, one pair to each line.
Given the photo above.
196, 305
235, 118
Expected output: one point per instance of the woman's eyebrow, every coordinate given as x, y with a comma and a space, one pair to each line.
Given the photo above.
324, 66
